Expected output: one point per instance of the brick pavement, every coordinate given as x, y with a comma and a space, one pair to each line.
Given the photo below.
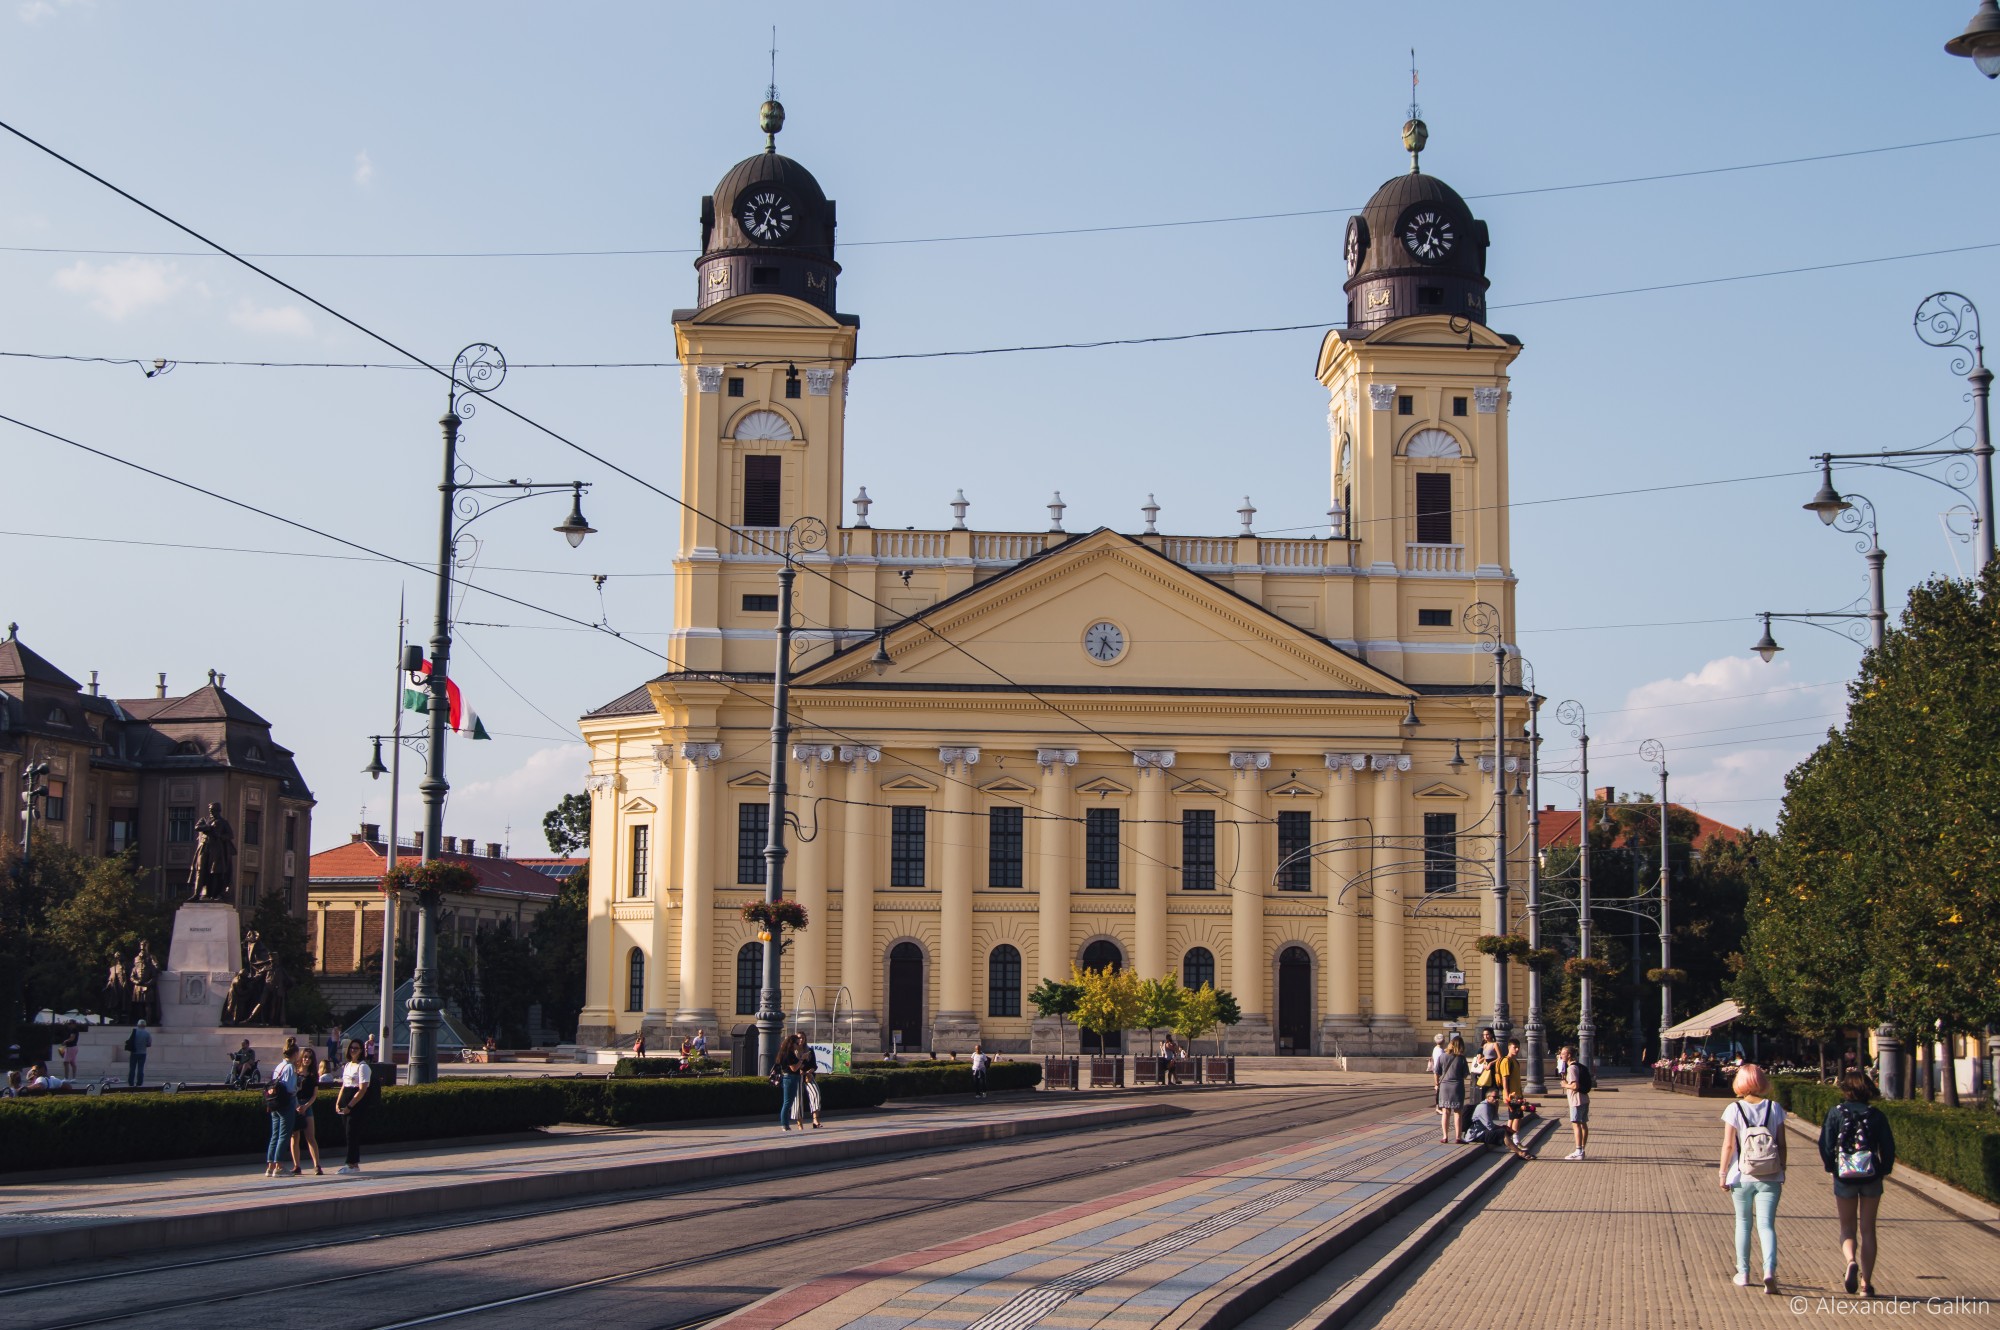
1639, 1235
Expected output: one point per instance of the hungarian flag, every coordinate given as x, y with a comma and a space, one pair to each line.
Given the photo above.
464, 720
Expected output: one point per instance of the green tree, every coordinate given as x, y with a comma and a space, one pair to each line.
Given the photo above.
507, 982
1198, 1014
559, 940
1052, 997
1227, 1013
567, 825
1110, 1000
1159, 1003
61, 920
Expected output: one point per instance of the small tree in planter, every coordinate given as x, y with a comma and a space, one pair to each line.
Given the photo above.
1197, 1014
1159, 1004
1054, 998
772, 917
1110, 1001
1227, 1013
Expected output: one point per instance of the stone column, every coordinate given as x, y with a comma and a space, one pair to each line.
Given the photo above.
1390, 1029
1257, 840
597, 1024
699, 835
1149, 922
861, 839
662, 999
1052, 868
810, 868
1340, 1026
956, 1025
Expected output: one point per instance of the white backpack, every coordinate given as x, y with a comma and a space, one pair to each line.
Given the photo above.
1756, 1145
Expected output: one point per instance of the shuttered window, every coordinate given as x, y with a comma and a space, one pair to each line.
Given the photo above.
762, 479
1433, 508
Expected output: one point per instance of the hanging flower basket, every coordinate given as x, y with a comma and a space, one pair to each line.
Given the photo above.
775, 914
1589, 967
1542, 960
1669, 976
1502, 944
430, 875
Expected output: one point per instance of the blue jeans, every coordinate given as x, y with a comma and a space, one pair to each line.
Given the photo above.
788, 1094
135, 1073
1759, 1201
281, 1131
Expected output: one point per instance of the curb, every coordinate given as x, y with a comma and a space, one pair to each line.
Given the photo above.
1356, 1294
237, 1223
1243, 1300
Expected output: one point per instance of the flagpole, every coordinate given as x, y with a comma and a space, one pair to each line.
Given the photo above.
390, 904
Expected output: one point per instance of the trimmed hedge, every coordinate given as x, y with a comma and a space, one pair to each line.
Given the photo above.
65, 1131
910, 1080
665, 1066
1960, 1146
617, 1102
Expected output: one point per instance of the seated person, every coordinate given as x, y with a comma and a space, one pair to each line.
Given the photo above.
13, 1087
1486, 1127
39, 1079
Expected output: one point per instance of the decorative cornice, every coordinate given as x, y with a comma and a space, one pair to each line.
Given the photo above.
1485, 763
1051, 757
701, 756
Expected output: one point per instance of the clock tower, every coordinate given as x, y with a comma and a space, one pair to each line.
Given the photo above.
1415, 249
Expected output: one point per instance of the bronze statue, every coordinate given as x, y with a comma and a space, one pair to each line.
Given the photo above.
117, 997
214, 869
241, 998
145, 979
257, 994
270, 1008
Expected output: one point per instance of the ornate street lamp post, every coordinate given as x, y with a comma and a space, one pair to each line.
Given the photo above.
1537, 1029
478, 370
1484, 620
1949, 321
1572, 714
1653, 752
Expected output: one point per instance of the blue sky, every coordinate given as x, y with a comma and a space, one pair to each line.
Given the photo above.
450, 128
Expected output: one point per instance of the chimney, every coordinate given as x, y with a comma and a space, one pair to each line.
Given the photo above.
160, 689
492, 849
371, 833
93, 683
1605, 794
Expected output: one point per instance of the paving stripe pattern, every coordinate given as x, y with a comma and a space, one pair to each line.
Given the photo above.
1132, 1260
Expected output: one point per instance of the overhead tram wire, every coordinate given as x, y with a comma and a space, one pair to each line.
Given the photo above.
1114, 228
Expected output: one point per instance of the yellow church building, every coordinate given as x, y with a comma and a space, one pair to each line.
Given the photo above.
1266, 764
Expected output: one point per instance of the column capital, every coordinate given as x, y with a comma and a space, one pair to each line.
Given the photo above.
1388, 764
663, 754
1485, 764
1246, 762
807, 754
858, 755
1051, 758
1152, 759
1342, 763
953, 757
604, 782
701, 756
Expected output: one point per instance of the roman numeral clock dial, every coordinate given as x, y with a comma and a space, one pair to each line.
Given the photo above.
1428, 235
765, 215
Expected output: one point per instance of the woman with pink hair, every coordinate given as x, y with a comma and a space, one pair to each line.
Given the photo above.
1752, 1169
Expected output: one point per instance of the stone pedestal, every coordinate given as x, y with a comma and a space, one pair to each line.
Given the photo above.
954, 1032
205, 954
180, 1052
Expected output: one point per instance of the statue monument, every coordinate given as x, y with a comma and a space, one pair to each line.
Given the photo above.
145, 979
213, 872
257, 994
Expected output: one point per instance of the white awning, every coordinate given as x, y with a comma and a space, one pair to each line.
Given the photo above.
1700, 1026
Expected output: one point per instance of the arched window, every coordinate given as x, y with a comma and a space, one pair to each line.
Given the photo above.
749, 977
635, 980
1197, 968
1003, 982
766, 427
1101, 953
1443, 1001
1427, 443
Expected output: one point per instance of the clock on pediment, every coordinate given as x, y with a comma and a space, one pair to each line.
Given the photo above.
1104, 642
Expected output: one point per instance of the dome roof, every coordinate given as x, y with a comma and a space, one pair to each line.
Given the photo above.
767, 229
813, 216
1415, 248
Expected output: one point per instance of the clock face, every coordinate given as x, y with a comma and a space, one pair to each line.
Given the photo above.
765, 215
1104, 642
1428, 235
1357, 244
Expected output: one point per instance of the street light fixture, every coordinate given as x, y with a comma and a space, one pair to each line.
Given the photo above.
1981, 39
1483, 620
1572, 714
1767, 646
573, 527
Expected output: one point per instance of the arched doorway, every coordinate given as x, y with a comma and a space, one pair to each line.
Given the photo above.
1099, 955
1443, 1000
1295, 1000
906, 996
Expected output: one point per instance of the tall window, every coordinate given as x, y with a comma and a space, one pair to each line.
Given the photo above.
1003, 982
762, 482
180, 824
250, 888
1443, 1001
749, 977
1433, 508
635, 980
291, 831
253, 828
1440, 852
123, 833
1100, 849
55, 804
1003, 848
1295, 869
906, 845
1198, 849
1197, 968
641, 852
753, 826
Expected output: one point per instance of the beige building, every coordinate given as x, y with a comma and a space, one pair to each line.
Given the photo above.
1262, 763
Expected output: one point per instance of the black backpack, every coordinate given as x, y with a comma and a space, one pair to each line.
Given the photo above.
1586, 1079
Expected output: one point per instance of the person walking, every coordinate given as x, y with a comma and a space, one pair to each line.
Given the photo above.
1577, 1081
332, 1045
1752, 1168
1448, 1083
281, 1102
368, 1049
808, 1086
305, 1130
351, 1101
1510, 1078
69, 1056
136, 1045
982, 1062
1857, 1146
785, 1073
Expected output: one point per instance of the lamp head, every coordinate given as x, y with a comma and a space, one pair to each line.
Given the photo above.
375, 770
1767, 646
1457, 757
1827, 502
573, 527
881, 660
1410, 721
1981, 40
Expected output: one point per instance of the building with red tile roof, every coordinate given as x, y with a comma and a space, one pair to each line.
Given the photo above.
1559, 824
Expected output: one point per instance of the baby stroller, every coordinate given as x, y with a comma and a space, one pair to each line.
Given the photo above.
243, 1071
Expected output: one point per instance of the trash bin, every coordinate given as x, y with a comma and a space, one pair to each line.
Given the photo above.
743, 1051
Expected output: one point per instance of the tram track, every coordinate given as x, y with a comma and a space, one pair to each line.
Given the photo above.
1319, 1106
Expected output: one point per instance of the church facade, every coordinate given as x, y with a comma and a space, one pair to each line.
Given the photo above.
1266, 764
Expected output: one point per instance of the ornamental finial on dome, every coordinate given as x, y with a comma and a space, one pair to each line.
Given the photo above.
1415, 132
771, 115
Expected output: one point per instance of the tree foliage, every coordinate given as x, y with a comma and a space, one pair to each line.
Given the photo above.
1159, 1004
559, 942
567, 825
1109, 1002
1053, 997
1198, 1013
61, 921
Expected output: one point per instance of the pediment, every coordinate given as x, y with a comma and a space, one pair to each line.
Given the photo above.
754, 780
1201, 789
908, 783
1440, 790
1103, 787
1008, 785
1294, 789
1180, 631
639, 806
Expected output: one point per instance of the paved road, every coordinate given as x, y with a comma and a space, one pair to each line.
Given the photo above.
661, 1259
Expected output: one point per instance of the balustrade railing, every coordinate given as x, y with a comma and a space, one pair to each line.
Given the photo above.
1434, 558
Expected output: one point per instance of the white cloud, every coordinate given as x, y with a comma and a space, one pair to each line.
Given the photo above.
364, 169
34, 11
284, 320
122, 288
485, 808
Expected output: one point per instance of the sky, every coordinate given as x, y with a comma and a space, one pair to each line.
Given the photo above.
1660, 438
